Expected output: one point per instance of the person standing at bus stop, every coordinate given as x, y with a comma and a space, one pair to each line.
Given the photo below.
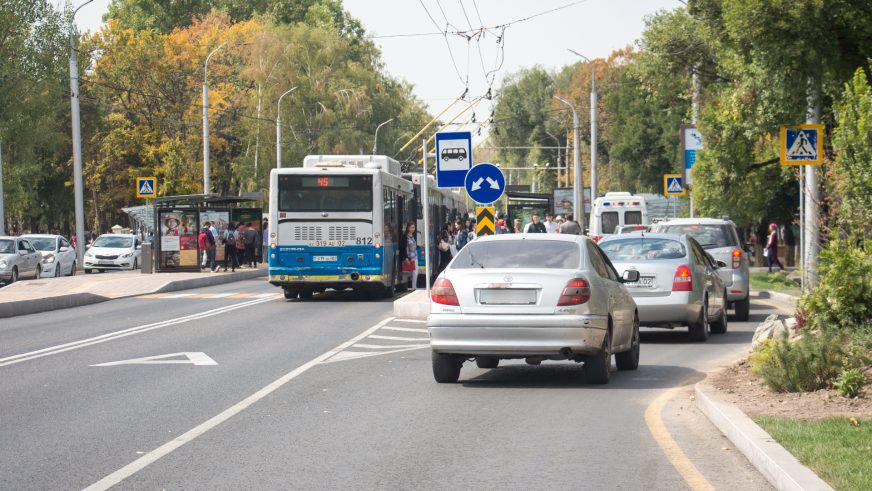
207, 244
570, 226
409, 253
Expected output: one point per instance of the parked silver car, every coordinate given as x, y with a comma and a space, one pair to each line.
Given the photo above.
533, 296
679, 284
18, 259
58, 256
720, 239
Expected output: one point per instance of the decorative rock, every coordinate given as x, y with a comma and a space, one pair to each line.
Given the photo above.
771, 328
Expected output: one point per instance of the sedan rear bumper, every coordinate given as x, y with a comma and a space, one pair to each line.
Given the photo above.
516, 335
675, 307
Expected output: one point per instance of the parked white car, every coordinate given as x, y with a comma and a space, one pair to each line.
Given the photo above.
113, 251
58, 256
18, 259
536, 297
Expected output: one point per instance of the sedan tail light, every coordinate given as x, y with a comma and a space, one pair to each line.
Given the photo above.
576, 292
683, 279
737, 258
443, 293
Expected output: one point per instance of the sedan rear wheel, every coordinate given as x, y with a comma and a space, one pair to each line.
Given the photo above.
700, 330
72, 269
597, 367
446, 368
720, 326
629, 360
57, 271
487, 361
14, 275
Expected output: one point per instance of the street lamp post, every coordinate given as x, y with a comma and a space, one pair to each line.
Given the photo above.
375, 140
578, 206
593, 123
279, 127
78, 181
207, 171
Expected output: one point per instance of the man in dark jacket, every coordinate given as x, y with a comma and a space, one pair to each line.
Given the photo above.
535, 227
251, 242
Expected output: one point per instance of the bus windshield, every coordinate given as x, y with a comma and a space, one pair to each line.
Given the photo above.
325, 193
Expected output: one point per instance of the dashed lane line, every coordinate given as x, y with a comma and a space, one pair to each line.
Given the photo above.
111, 336
168, 447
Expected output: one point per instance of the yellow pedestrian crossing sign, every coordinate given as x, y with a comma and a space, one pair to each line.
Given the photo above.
484, 221
673, 185
146, 187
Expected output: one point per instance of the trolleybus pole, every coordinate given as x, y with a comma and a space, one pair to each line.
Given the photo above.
426, 206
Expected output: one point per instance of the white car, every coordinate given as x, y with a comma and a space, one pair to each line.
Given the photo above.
536, 297
113, 251
58, 256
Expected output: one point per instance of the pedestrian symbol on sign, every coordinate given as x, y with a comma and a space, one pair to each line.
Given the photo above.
146, 187
673, 185
801, 145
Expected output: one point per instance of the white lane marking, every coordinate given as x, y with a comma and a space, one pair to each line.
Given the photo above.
265, 295
221, 295
149, 458
353, 355
52, 350
414, 321
378, 346
190, 358
397, 338
179, 295
407, 329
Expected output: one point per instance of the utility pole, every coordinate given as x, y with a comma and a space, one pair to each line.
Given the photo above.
812, 192
593, 125
578, 206
2, 213
694, 117
207, 171
375, 140
425, 204
78, 181
279, 127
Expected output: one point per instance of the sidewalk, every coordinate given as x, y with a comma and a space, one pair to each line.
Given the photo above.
33, 296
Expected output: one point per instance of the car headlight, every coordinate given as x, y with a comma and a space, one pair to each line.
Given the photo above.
3, 265
89, 254
125, 256
49, 259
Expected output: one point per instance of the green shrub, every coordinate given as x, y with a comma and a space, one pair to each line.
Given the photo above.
805, 364
843, 298
849, 382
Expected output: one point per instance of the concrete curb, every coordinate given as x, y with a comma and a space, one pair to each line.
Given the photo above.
783, 299
415, 305
779, 467
46, 304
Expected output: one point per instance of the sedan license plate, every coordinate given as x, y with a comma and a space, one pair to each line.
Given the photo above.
106, 263
644, 282
507, 296
324, 259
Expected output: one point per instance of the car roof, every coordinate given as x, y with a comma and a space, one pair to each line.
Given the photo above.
8, 237
115, 235
41, 236
611, 238
554, 237
696, 221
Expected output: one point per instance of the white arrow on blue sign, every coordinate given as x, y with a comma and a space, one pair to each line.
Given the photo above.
453, 158
485, 183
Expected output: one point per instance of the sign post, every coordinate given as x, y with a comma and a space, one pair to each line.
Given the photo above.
453, 158
426, 206
673, 185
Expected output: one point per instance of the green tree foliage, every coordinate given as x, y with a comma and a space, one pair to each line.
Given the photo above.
851, 175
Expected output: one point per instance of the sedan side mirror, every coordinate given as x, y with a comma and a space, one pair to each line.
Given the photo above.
64, 249
630, 276
722, 264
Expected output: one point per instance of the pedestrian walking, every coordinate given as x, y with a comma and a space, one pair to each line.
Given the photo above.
265, 242
251, 242
550, 224
535, 226
500, 227
204, 259
409, 253
207, 244
771, 251
230, 255
570, 226
240, 244
444, 247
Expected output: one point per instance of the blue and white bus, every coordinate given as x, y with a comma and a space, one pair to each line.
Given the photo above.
336, 223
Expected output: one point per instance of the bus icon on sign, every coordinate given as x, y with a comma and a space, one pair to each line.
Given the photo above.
458, 154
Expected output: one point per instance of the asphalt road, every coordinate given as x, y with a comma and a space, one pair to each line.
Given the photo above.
332, 393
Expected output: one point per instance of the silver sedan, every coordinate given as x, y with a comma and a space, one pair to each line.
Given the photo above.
18, 259
679, 284
536, 297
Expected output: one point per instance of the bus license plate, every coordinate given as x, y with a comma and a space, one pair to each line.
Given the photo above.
324, 259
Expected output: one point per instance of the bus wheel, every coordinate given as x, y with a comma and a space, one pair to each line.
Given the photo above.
306, 293
291, 293
388, 291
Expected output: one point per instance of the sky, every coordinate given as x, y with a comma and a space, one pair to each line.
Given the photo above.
594, 28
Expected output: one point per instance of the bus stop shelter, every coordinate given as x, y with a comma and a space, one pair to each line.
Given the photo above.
178, 220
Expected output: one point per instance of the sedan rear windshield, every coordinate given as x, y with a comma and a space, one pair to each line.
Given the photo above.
708, 236
114, 242
325, 193
513, 254
7, 246
643, 249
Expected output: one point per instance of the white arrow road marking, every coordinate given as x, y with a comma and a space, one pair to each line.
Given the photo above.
493, 184
53, 350
476, 185
191, 358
